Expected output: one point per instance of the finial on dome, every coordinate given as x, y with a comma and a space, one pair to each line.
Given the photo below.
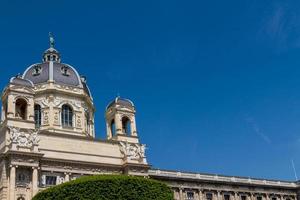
51, 39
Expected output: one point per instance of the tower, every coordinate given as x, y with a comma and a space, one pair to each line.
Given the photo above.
120, 121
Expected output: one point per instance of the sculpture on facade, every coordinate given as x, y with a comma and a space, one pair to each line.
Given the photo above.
133, 151
23, 139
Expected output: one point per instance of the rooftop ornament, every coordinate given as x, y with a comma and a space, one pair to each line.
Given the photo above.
51, 39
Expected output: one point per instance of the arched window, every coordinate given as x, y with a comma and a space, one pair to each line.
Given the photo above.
126, 125
113, 127
21, 198
21, 109
37, 115
66, 116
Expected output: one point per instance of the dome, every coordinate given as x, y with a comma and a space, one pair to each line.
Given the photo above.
52, 70
121, 102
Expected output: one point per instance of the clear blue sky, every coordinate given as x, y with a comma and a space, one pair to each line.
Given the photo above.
216, 84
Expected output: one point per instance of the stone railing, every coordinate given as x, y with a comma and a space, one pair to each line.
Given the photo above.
220, 178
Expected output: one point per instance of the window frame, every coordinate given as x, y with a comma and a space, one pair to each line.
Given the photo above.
37, 115
67, 116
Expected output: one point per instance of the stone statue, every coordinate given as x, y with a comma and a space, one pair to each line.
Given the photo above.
141, 150
132, 151
51, 38
14, 134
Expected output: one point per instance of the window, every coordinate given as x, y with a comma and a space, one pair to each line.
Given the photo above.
190, 195
67, 116
259, 198
126, 125
65, 71
274, 198
208, 196
20, 198
21, 109
51, 180
23, 177
243, 197
113, 127
36, 70
37, 115
226, 197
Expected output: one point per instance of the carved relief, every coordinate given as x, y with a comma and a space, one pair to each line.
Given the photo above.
133, 151
39, 86
58, 102
56, 117
23, 139
67, 88
46, 118
46, 102
78, 121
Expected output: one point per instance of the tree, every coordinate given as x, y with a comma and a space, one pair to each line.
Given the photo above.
108, 187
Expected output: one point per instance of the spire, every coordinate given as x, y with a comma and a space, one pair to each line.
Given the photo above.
51, 39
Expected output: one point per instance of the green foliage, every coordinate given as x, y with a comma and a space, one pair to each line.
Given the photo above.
108, 187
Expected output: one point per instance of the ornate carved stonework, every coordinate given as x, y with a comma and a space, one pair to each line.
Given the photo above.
56, 118
23, 139
78, 121
67, 88
133, 151
58, 102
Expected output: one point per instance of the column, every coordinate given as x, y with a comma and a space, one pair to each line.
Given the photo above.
118, 125
35, 186
267, 197
281, 197
219, 196
200, 195
12, 182
181, 194
236, 196
67, 177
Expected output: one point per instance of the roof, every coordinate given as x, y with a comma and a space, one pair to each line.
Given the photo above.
20, 81
122, 102
52, 70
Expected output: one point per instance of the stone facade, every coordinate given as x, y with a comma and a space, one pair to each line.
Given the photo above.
47, 137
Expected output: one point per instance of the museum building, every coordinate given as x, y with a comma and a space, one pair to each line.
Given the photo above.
47, 137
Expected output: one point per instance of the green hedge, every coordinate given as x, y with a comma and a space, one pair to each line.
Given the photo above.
108, 187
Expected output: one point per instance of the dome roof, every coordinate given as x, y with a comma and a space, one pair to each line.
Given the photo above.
121, 102
52, 70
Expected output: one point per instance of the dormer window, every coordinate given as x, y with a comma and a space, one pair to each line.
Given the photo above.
65, 71
36, 70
